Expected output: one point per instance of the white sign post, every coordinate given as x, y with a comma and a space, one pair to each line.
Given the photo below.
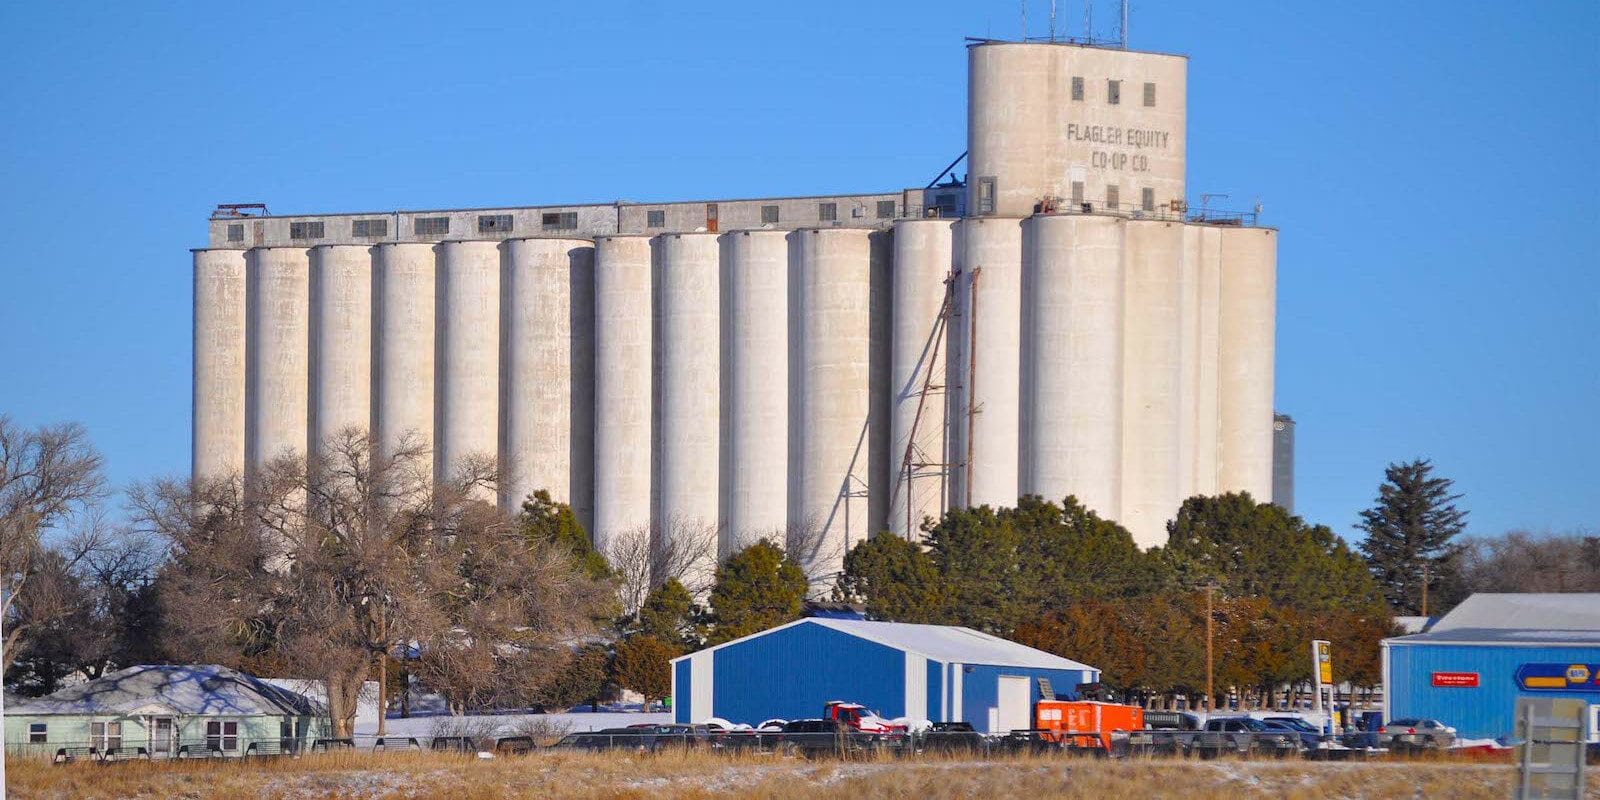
1322, 675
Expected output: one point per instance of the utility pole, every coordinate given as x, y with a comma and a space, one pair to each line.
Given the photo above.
1210, 685
1424, 587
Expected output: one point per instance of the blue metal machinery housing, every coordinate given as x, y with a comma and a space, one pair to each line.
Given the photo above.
929, 672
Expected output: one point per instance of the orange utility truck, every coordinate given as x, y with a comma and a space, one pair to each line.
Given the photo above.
1085, 724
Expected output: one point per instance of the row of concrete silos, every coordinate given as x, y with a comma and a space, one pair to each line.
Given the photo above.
726, 388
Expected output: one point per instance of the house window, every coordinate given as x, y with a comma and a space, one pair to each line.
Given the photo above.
1113, 198
986, 195
105, 735
769, 214
1077, 88
1077, 193
1147, 199
369, 228
236, 233
560, 221
305, 230
222, 735
655, 219
828, 212
1113, 92
38, 732
431, 226
494, 223
885, 209
1150, 95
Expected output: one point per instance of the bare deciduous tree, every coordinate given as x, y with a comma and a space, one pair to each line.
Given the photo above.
329, 563
47, 476
649, 555
1520, 561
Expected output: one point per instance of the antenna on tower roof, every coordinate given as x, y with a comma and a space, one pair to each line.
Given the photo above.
1124, 31
1052, 20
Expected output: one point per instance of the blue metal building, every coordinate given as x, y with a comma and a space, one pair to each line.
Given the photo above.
1469, 668
929, 672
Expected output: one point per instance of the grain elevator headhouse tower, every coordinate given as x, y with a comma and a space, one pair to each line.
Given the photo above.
808, 369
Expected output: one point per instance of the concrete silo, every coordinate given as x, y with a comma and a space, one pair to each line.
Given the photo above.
277, 331
1248, 301
217, 446
688, 299
829, 307
341, 342
880, 393
403, 288
1201, 272
755, 382
622, 387
1072, 360
989, 302
467, 356
544, 287
918, 354
1152, 349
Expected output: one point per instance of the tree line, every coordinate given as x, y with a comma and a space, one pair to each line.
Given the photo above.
356, 565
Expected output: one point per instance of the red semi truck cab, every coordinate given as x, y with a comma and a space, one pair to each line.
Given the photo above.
859, 718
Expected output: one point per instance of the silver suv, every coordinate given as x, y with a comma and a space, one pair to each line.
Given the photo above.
1416, 734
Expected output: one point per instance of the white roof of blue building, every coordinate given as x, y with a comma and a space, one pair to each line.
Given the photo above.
946, 643
1517, 619
194, 689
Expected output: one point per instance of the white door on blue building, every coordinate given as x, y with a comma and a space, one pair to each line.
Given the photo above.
1013, 712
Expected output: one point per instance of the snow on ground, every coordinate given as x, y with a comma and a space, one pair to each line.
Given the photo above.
513, 724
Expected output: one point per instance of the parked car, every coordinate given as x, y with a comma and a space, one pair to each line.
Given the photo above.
1311, 738
1243, 736
1416, 734
950, 737
822, 737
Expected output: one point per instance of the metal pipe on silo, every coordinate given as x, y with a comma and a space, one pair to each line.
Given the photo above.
830, 307
467, 356
989, 292
277, 335
622, 387
1152, 347
404, 280
1072, 360
541, 318
689, 297
217, 444
879, 363
755, 381
917, 362
1249, 285
341, 343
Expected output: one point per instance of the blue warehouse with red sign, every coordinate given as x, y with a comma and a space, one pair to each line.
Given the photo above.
1469, 668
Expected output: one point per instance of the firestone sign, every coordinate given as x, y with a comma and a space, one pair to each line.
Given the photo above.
1460, 680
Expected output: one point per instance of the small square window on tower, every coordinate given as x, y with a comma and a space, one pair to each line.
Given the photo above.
1113, 198
1077, 88
986, 194
1147, 199
827, 212
769, 215
656, 218
1077, 193
1150, 95
885, 209
236, 232
1113, 92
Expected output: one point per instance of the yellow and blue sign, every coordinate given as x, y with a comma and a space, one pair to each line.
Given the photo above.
1556, 677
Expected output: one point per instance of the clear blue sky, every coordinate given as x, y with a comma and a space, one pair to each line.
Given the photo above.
1433, 167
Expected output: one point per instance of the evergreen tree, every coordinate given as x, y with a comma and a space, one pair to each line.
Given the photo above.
644, 664
1410, 533
669, 614
584, 680
758, 588
978, 552
896, 580
546, 520
1076, 555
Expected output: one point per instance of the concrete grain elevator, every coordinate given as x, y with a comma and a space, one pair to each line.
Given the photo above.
812, 370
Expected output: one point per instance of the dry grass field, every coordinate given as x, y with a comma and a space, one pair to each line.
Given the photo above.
394, 776
366, 776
